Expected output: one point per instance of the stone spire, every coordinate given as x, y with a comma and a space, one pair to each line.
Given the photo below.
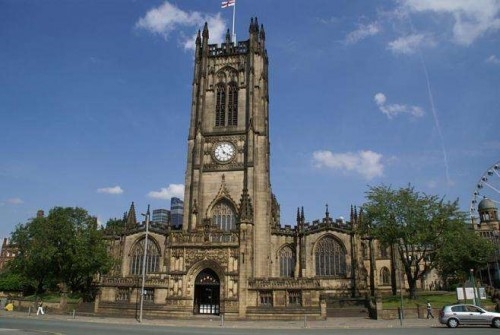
131, 218
205, 31
246, 208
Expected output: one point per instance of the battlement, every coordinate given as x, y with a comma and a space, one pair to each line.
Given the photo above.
228, 49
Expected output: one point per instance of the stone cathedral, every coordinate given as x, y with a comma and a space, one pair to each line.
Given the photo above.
232, 256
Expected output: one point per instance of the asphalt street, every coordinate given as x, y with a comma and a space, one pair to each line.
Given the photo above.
15, 323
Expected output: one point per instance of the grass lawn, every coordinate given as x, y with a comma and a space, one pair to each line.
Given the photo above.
437, 300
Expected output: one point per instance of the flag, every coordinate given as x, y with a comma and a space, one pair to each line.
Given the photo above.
228, 3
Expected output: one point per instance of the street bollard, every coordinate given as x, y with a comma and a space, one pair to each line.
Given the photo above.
74, 312
305, 321
222, 320
29, 311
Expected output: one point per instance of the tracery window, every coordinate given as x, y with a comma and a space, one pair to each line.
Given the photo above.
224, 216
287, 262
266, 298
364, 250
330, 258
149, 295
220, 106
232, 105
383, 252
137, 257
294, 297
385, 276
123, 294
226, 105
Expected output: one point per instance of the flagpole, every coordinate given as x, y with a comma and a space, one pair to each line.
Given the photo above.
234, 14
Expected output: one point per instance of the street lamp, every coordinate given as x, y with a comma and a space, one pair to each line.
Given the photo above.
144, 260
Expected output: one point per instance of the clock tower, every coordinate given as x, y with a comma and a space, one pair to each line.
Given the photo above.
227, 186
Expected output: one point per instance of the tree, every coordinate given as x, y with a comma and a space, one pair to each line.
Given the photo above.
414, 224
10, 281
462, 250
115, 226
66, 247
34, 258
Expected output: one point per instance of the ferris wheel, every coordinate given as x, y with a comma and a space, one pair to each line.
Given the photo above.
488, 186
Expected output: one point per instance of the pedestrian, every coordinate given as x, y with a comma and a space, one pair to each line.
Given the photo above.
429, 311
40, 308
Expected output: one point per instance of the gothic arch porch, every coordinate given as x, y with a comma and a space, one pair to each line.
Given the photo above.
207, 293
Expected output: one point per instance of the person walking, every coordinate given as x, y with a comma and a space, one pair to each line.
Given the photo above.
429, 311
40, 308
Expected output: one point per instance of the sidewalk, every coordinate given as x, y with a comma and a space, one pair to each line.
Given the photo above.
217, 322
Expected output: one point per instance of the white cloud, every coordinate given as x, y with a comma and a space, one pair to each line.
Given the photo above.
392, 110
380, 98
471, 18
493, 59
173, 190
167, 18
14, 201
410, 44
363, 31
110, 190
365, 163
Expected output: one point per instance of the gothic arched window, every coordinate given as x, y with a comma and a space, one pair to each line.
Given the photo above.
232, 105
220, 106
287, 262
137, 257
330, 258
383, 252
226, 105
224, 216
385, 276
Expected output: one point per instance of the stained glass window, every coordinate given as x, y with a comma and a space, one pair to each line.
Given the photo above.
137, 257
330, 258
224, 216
287, 262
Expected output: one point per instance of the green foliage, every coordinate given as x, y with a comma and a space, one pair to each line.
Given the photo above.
437, 300
64, 248
10, 281
461, 250
416, 224
115, 226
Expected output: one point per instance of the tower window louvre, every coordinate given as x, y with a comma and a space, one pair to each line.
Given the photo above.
220, 106
232, 106
226, 105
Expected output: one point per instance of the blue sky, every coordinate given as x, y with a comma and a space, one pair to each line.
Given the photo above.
95, 99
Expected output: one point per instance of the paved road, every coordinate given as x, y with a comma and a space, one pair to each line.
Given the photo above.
217, 322
17, 323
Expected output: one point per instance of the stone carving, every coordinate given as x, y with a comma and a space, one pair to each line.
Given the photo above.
217, 255
284, 283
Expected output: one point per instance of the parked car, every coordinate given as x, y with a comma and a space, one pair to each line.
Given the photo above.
463, 314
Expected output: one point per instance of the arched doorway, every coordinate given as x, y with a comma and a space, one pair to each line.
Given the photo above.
207, 293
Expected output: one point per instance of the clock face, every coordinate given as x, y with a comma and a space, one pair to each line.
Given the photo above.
224, 152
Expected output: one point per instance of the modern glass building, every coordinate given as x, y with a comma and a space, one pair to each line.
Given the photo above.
161, 216
176, 212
